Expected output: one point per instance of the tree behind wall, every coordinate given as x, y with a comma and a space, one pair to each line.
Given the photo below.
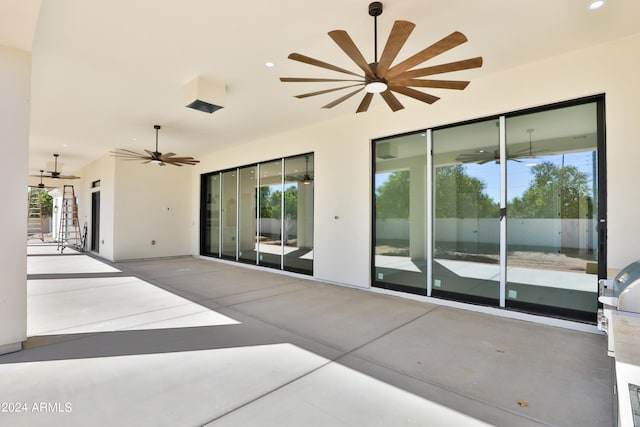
458, 195
555, 192
392, 197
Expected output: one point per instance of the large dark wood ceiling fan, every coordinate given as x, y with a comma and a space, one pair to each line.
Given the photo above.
54, 173
155, 156
383, 78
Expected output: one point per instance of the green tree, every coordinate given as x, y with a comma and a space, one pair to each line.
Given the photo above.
291, 203
266, 208
458, 195
555, 192
271, 203
46, 201
392, 197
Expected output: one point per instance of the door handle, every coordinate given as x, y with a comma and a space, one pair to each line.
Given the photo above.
503, 213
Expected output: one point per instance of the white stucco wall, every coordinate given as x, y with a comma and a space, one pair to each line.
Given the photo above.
152, 203
15, 75
343, 151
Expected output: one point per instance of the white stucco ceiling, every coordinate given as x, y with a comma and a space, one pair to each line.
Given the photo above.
104, 72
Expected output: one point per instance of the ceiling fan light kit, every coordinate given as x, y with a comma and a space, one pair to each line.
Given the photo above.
155, 157
381, 76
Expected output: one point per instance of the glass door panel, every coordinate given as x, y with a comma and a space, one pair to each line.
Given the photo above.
298, 214
270, 224
229, 216
552, 212
400, 250
247, 215
211, 233
466, 213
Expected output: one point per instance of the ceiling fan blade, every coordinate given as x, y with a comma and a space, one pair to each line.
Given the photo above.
126, 154
306, 80
481, 156
168, 155
181, 160
311, 61
415, 94
465, 64
440, 84
342, 98
452, 40
320, 92
391, 101
343, 40
150, 153
124, 150
181, 163
474, 157
397, 38
364, 105
135, 158
68, 177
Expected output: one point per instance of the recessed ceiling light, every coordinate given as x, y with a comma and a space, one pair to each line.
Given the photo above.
269, 64
596, 4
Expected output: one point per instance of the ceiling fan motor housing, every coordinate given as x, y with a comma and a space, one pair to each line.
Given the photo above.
375, 8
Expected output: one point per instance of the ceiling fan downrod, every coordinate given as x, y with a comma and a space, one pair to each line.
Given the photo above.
157, 128
375, 10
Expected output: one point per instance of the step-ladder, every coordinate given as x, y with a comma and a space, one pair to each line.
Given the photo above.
35, 220
69, 230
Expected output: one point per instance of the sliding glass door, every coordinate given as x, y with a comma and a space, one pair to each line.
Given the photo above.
510, 209
466, 212
261, 214
298, 214
229, 208
247, 214
400, 179
552, 192
270, 230
210, 212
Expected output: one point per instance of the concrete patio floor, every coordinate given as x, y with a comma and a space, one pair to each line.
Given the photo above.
191, 342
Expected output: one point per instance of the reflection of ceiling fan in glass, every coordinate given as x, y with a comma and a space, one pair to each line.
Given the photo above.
483, 156
306, 179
